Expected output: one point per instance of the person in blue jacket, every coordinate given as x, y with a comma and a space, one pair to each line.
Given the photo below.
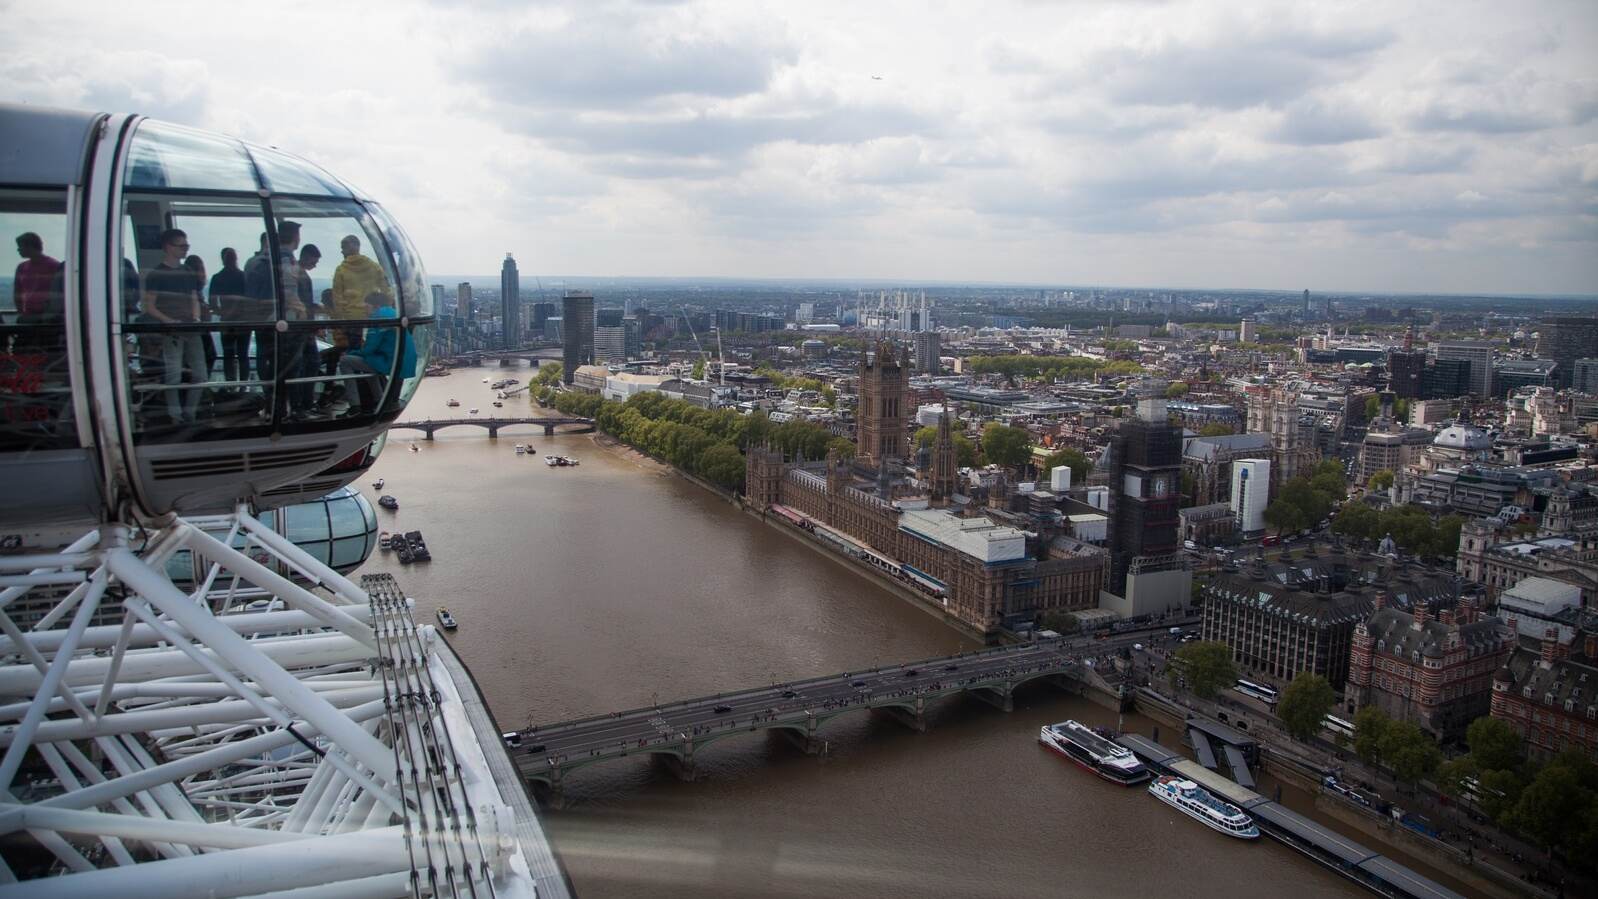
375, 357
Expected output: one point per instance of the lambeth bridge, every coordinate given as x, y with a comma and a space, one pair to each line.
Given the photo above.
428, 426
797, 710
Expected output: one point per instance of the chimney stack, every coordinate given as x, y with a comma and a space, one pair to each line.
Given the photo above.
1423, 613
1590, 646
1381, 600
1550, 646
1446, 616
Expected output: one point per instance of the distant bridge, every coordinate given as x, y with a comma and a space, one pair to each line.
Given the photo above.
428, 426
531, 352
797, 710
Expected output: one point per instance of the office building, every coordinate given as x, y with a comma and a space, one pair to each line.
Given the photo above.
1282, 620
577, 342
1405, 369
1246, 331
1513, 374
1479, 355
438, 298
510, 300
541, 313
463, 299
1445, 379
1565, 339
610, 345
1251, 493
928, 347
1306, 302
1584, 376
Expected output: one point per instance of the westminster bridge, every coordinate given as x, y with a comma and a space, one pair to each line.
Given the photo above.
676, 731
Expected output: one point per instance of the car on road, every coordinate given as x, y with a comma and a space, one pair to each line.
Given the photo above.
789, 694
722, 709
857, 683
513, 740
911, 672
951, 667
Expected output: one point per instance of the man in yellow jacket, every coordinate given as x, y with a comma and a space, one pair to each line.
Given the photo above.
356, 277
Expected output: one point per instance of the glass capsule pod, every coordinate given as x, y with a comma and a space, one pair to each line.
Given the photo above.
193, 322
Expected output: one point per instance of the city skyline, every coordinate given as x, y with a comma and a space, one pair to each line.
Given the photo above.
1413, 150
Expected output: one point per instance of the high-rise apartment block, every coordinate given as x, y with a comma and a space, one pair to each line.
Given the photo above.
510, 300
1565, 339
463, 298
1479, 353
928, 348
577, 341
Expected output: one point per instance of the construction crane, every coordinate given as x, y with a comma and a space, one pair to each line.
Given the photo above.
687, 320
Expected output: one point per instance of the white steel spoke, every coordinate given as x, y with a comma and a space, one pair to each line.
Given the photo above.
161, 738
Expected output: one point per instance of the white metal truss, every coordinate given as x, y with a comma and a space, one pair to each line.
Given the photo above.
249, 734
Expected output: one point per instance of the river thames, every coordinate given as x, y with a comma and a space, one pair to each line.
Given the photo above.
614, 584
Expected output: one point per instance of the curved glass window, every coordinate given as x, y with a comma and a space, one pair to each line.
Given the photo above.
416, 300
170, 156
285, 174
36, 410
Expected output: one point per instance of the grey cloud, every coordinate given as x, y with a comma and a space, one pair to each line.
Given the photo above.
1237, 69
1310, 121
1469, 94
720, 135
622, 61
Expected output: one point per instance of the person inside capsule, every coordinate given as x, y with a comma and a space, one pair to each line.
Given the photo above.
370, 365
171, 296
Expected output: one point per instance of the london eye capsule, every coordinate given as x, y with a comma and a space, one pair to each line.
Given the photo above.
194, 322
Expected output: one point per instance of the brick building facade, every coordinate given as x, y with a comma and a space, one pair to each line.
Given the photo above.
983, 593
1548, 692
1432, 664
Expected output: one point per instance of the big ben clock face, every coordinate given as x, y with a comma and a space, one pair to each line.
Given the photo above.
1162, 486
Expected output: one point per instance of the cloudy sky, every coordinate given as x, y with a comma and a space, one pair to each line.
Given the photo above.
1416, 146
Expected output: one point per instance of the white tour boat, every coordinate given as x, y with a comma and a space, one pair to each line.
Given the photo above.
1197, 802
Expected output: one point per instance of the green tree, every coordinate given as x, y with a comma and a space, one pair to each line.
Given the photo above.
1207, 666
1176, 389
1304, 705
843, 446
965, 454
1381, 480
1062, 622
1071, 457
1410, 752
1494, 745
1373, 406
1356, 520
1454, 775
1370, 732
1215, 429
1284, 516
1498, 792
723, 466
1005, 445
699, 369
1550, 803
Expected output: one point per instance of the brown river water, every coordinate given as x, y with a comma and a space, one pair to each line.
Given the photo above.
614, 584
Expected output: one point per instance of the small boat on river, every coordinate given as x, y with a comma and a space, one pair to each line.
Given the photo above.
1194, 801
446, 620
388, 502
